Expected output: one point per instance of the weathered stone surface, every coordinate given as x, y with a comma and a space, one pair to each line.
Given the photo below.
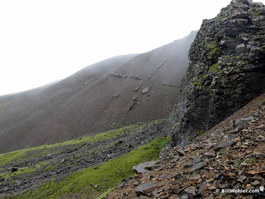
198, 166
242, 121
224, 144
146, 188
190, 190
241, 48
208, 155
145, 167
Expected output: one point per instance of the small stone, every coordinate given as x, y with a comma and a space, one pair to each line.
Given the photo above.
256, 182
202, 188
18, 183
198, 166
13, 169
212, 188
240, 172
6, 188
190, 190
176, 190
145, 90
136, 183
208, 155
217, 177
187, 165
242, 121
146, 188
156, 194
2, 179
196, 160
241, 48
181, 152
145, 167
242, 179
186, 196
260, 138
178, 176
224, 144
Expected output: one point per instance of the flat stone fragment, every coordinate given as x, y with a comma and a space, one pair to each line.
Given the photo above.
223, 144
198, 166
190, 190
144, 167
146, 188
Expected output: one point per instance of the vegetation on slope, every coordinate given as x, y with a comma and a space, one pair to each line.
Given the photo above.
95, 180
22, 154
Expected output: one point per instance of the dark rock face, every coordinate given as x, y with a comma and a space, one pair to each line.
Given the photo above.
227, 69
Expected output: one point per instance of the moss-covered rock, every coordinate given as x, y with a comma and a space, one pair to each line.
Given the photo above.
227, 69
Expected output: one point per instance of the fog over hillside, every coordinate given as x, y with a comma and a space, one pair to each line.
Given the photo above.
106, 95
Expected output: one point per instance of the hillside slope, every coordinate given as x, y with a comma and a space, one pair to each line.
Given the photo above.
229, 156
26, 173
107, 95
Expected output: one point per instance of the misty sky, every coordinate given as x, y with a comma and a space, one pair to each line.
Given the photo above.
45, 40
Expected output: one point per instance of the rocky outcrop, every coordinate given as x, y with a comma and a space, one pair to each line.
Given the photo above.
227, 69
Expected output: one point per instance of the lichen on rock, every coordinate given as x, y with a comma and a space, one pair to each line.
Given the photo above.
227, 69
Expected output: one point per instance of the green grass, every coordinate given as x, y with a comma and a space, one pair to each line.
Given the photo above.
23, 170
102, 196
21, 154
94, 181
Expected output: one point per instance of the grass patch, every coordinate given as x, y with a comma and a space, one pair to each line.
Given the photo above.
96, 180
168, 139
21, 154
23, 170
102, 196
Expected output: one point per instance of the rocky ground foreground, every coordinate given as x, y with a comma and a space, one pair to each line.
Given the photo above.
229, 157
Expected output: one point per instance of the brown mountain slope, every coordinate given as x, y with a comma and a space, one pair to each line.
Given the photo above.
229, 157
106, 95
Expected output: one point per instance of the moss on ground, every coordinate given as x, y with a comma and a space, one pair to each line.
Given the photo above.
214, 68
200, 133
213, 48
94, 181
197, 84
22, 154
